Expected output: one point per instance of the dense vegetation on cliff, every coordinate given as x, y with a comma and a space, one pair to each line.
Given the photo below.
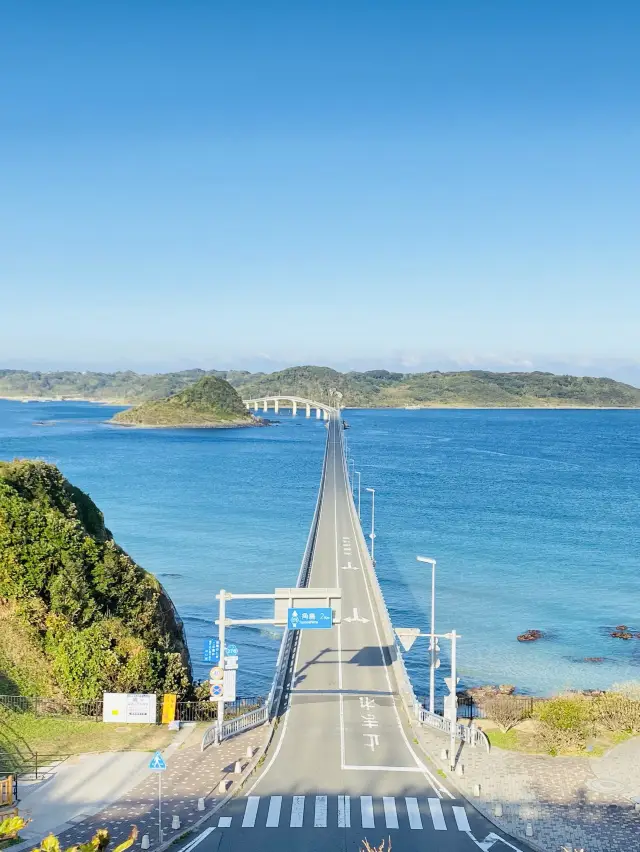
211, 401
77, 614
371, 389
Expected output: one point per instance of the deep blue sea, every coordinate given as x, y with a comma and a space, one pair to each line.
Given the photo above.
533, 516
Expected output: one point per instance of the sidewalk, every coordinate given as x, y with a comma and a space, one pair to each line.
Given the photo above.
117, 790
569, 801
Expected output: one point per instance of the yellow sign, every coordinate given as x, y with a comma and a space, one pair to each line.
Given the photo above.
169, 701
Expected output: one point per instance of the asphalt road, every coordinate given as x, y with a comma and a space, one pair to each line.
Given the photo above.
342, 767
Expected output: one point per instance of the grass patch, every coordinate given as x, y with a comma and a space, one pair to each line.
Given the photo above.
441, 773
23, 734
508, 740
524, 741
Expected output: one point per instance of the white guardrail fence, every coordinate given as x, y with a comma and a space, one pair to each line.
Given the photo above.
413, 708
286, 654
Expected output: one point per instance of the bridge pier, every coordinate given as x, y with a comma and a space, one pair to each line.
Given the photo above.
295, 408
317, 414
265, 405
326, 414
255, 404
276, 406
308, 410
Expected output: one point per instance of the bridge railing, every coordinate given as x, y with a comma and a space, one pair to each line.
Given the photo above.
290, 637
286, 654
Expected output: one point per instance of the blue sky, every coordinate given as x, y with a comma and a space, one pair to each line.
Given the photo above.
361, 184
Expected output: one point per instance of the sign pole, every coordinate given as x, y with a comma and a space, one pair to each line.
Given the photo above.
454, 702
221, 631
160, 806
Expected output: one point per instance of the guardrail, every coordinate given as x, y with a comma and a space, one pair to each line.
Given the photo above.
286, 653
467, 733
44, 706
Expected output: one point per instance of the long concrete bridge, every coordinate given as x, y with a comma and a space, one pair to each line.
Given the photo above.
264, 403
343, 764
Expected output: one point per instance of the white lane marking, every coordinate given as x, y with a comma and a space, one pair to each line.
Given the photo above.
198, 839
273, 815
356, 768
249, 819
490, 839
437, 817
297, 812
390, 813
413, 812
366, 808
341, 699
350, 567
224, 822
344, 812
320, 816
461, 818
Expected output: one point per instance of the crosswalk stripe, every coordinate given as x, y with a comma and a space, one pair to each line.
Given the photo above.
437, 816
273, 815
461, 818
413, 812
250, 812
390, 813
366, 808
320, 817
297, 812
344, 812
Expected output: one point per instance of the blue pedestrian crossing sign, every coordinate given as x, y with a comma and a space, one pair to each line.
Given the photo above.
157, 763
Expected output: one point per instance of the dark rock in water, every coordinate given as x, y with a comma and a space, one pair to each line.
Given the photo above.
621, 632
530, 636
593, 659
637, 635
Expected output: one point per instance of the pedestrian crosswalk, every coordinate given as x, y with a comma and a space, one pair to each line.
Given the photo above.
365, 812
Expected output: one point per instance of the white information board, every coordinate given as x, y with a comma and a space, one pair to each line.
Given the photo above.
129, 707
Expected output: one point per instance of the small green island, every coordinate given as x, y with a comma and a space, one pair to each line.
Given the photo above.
211, 403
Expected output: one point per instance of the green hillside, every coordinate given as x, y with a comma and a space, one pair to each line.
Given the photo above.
77, 615
373, 388
210, 402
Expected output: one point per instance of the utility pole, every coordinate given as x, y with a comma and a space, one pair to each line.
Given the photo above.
454, 702
221, 638
372, 534
434, 644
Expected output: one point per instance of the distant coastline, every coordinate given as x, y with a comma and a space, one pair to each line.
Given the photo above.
435, 407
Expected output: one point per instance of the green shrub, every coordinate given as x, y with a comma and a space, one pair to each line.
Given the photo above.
565, 723
616, 713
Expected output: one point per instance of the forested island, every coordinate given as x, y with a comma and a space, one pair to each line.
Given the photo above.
209, 403
370, 389
77, 615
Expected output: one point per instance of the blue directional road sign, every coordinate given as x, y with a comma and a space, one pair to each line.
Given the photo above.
211, 651
309, 618
157, 763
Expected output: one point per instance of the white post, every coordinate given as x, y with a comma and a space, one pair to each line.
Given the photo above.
358, 472
372, 534
160, 806
454, 703
295, 407
221, 639
276, 406
255, 405
317, 414
432, 668
326, 414
265, 405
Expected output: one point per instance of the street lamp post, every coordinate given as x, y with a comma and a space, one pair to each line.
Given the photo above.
432, 646
358, 472
372, 534
352, 472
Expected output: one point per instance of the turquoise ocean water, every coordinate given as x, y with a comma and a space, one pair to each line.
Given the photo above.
533, 516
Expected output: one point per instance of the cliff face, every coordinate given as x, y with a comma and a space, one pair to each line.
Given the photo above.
77, 614
210, 402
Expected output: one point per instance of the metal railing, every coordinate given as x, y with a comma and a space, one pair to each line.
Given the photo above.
471, 708
34, 763
42, 706
467, 733
205, 711
217, 733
